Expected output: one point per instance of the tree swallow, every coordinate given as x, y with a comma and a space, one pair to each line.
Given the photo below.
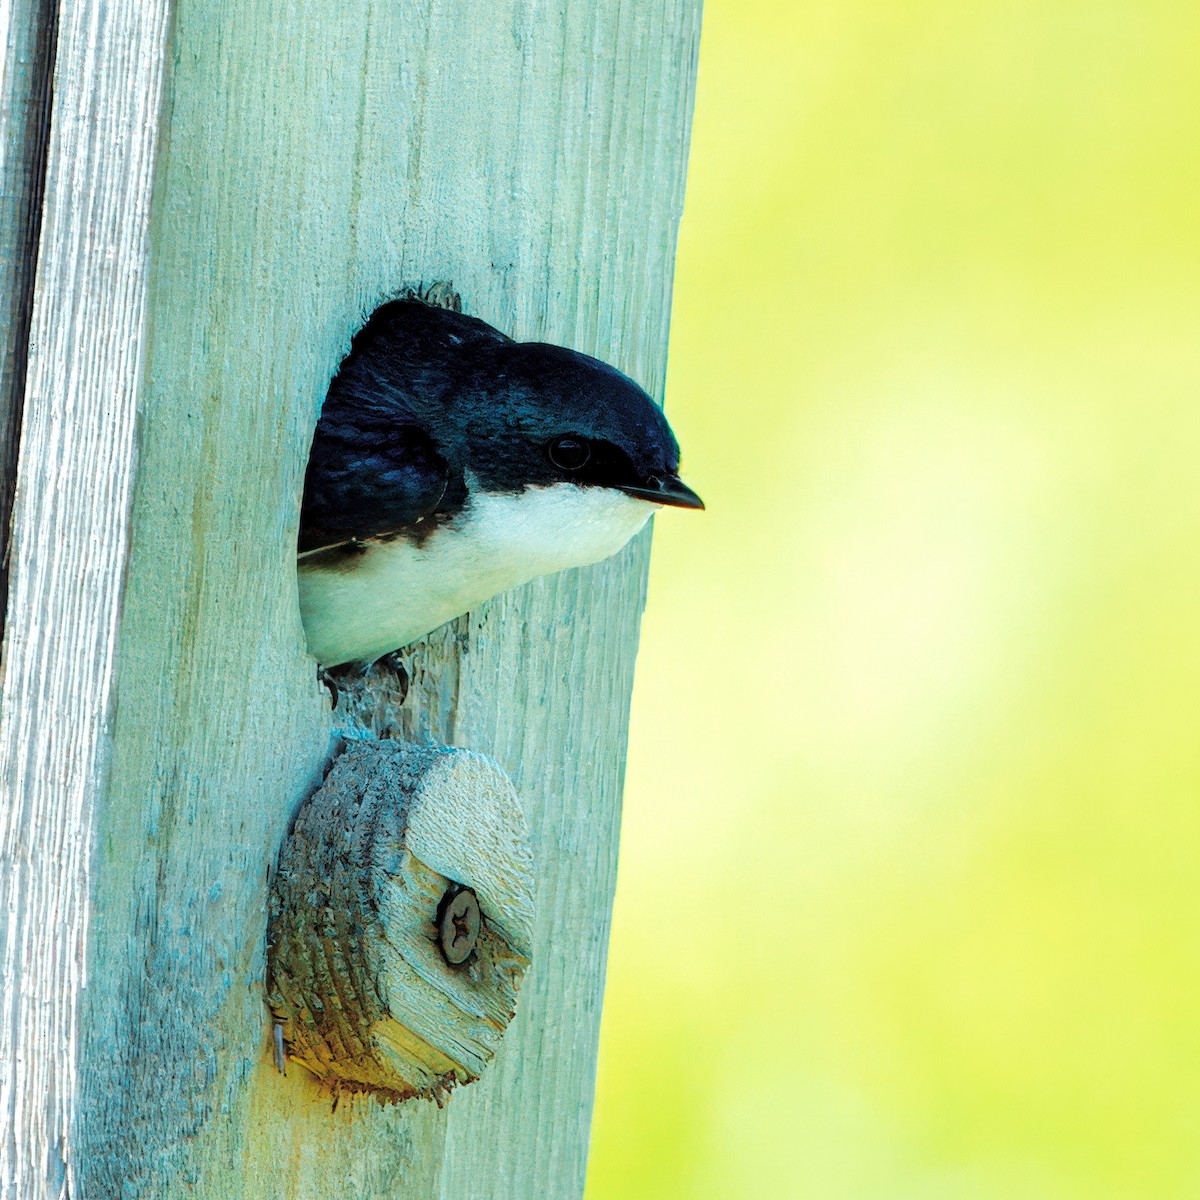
451, 463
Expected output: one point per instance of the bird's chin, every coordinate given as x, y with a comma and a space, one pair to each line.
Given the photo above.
564, 525
397, 590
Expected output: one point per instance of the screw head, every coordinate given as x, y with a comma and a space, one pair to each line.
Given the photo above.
458, 924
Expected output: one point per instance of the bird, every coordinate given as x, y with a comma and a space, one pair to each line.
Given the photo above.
451, 463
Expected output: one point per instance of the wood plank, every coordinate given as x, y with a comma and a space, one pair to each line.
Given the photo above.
27, 34
69, 550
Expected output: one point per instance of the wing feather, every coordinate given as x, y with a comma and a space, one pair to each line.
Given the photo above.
374, 469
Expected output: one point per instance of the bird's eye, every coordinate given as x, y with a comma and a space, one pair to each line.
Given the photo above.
568, 453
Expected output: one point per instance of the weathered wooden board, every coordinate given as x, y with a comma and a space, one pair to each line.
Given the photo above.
27, 29
68, 557
314, 159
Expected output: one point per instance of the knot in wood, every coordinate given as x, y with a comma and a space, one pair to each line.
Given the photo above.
401, 920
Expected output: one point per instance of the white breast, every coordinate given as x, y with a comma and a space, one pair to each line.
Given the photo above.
395, 592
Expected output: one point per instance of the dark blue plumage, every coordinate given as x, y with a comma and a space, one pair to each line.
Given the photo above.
450, 462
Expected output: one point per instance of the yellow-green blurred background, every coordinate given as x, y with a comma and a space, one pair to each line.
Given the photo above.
907, 905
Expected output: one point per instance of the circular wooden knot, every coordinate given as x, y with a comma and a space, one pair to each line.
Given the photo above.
401, 920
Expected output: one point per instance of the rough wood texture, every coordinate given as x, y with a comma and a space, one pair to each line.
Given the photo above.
313, 159
67, 565
27, 30
367, 1000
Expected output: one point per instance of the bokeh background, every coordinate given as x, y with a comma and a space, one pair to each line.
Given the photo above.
908, 894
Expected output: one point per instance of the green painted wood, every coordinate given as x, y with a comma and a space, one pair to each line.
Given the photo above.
314, 159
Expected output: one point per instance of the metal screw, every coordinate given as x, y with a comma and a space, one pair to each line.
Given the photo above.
458, 923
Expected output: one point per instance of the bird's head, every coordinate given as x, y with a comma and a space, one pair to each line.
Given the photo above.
544, 415
452, 463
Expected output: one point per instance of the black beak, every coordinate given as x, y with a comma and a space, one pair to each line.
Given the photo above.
666, 489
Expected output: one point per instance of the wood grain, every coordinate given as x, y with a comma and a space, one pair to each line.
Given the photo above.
27, 36
68, 555
366, 999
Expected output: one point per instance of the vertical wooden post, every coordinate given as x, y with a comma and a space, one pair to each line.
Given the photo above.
68, 557
26, 62
230, 188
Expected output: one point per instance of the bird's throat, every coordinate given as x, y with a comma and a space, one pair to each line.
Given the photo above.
360, 604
